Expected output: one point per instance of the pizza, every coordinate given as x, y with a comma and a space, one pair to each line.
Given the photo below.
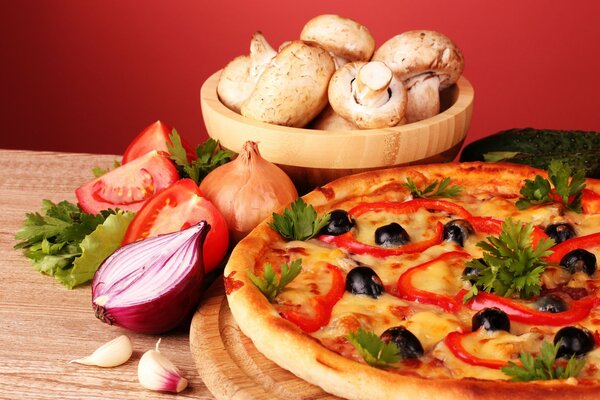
449, 281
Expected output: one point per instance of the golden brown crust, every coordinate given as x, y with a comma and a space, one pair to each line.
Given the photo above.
292, 349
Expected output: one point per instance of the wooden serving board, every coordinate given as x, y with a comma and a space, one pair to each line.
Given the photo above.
230, 365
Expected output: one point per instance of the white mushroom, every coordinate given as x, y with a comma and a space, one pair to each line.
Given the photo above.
345, 39
329, 120
292, 90
239, 77
368, 94
427, 62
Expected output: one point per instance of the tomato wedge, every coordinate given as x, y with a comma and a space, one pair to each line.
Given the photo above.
153, 137
322, 304
178, 207
128, 186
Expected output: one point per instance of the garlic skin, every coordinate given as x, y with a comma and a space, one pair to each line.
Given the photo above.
247, 190
156, 372
111, 354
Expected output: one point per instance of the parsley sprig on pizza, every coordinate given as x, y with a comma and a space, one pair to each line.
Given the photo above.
299, 221
510, 264
436, 189
543, 366
374, 350
564, 185
269, 284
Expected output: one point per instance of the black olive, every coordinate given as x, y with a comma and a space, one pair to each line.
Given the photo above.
579, 260
573, 341
457, 231
391, 235
470, 274
492, 319
551, 303
560, 232
339, 223
407, 343
363, 280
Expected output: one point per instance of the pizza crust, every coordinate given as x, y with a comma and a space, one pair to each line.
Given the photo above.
284, 343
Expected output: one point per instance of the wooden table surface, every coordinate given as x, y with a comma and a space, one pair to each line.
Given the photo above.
43, 325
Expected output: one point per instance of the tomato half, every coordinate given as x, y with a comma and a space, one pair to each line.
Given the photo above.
153, 137
178, 207
128, 186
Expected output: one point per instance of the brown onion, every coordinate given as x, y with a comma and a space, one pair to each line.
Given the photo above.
247, 190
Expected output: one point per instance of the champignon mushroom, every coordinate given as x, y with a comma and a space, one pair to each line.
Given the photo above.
329, 120
368, 94
292, 90
427, 62
345, 39
239, 77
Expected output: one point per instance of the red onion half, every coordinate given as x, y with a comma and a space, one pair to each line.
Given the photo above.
153, 285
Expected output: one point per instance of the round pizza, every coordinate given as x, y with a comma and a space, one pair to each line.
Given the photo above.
449, 281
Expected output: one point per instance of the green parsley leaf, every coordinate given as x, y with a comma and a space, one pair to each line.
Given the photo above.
543, 366
56, 238
372, 349
98, 171
434, 189
568, 184
268, 283
210, 156
298, 222
510, 263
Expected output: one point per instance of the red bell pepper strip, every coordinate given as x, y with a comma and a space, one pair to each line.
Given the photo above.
348, 242
406, 290
581, 242
410, 206
454, 343
322, 304
493, 226
578, 309
590, 202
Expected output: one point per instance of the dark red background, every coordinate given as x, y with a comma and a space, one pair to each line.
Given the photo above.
88, 76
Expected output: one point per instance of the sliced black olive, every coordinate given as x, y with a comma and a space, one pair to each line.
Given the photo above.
471, 274
551, 303
391, 235
457, 231
560, 232
579, 260
407, 343
339, 223
492, 319
573, 341
363, 280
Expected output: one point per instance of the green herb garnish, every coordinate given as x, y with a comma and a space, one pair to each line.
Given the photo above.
298, 222
372, 349
268, 283
510, 263
69, 244
568, 185
434, 189
210, 156
98, 171
543, 366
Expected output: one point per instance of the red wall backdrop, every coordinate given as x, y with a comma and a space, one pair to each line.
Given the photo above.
89, 75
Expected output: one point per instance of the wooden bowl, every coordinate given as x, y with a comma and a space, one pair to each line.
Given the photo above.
314, 157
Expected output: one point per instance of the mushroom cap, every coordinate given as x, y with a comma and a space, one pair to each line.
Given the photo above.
416, 52
340, 36
292, 90
344, 103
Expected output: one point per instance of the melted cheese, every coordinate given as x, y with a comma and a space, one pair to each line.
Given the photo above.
440, 277
431, 327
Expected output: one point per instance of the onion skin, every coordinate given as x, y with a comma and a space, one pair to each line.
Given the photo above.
158, 309
247, 190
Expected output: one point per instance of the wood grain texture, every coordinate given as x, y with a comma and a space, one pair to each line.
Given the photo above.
229, 363
44, 325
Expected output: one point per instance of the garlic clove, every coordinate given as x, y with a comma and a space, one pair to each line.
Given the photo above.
156, 372
111, 354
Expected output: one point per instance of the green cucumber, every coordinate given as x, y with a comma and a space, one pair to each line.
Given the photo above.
537, 147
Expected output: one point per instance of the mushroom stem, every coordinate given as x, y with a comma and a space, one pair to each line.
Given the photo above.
370, 87
423, 97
